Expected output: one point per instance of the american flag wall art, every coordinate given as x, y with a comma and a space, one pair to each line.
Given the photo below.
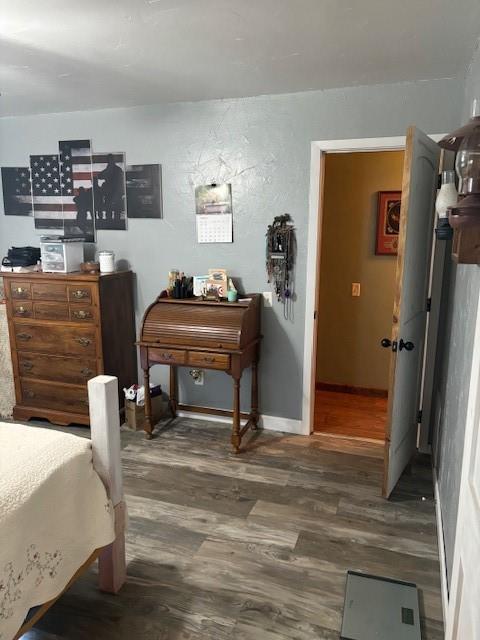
46, 193
17, 191
76, 184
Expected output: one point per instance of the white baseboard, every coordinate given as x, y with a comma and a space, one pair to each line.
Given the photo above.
441, 548
271, 423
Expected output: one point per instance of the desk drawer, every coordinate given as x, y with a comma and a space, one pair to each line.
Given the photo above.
80, 293
206, 360
20, 290
56, 368
48, 395
167, 356
58, 340
54, 291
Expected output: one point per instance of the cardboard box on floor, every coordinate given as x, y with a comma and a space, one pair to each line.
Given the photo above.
135, 414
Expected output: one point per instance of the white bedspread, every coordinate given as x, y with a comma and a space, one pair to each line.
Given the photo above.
54, 512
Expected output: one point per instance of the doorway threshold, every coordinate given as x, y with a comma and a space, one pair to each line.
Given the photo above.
353, 445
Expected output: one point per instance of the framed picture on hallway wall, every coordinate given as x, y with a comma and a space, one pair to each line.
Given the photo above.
388, 223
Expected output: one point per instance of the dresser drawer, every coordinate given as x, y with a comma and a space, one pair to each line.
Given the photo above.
167, 356
81, 313
58, 340
49, 291
208, 360
56, 368
50, 310
79, 293
48, 395
20, 290
22, 309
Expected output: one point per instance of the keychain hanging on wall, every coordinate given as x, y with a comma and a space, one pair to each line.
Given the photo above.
281, 253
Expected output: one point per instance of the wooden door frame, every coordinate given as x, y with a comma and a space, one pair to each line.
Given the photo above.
318, 151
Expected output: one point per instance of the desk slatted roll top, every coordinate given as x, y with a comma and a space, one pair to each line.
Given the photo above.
202, 324
205, 335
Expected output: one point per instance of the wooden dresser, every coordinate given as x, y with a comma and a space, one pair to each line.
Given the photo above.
204, 335
64, 330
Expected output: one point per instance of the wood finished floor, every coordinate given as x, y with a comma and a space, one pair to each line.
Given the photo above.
349, 414
254, 546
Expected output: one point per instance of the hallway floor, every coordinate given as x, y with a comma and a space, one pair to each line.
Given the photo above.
349, 414
255, 546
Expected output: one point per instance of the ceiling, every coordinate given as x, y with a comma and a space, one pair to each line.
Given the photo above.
60, 55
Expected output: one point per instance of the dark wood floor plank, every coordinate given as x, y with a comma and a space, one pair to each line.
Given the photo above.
252, 547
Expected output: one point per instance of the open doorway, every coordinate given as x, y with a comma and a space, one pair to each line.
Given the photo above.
356, 294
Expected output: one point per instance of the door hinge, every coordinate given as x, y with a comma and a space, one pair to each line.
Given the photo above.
419, 416
429, 305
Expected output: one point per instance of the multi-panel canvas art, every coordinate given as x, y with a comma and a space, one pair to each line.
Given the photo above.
109, 190
144, 191
17, 191
77, 191
77, 188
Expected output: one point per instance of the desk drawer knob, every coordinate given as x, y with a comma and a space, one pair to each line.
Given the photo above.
24, 336
27, 365
85, 342
80, 293
86, 372
167, 356
209, 359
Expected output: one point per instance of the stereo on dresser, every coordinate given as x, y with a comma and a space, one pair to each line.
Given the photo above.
65, 329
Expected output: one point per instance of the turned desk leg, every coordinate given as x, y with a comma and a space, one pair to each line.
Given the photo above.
148, 404
236, 437
173, 391
254, 401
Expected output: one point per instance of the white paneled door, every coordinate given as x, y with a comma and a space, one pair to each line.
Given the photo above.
420, 175
463, 613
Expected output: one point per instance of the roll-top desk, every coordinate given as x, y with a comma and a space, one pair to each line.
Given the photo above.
206, 335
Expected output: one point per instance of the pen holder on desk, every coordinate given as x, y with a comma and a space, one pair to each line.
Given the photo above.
231, 295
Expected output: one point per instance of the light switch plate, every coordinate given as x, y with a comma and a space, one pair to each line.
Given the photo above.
355, 289
267, 299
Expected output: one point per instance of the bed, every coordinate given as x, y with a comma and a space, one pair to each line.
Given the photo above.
61, 508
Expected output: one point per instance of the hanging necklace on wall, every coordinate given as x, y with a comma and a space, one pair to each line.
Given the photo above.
280, 254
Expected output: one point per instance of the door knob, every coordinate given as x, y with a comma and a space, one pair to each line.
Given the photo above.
408, 346
386, 343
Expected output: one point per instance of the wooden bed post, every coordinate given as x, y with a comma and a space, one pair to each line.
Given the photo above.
105, 434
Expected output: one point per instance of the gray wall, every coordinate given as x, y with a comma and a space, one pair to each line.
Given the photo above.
457, 361
262, 146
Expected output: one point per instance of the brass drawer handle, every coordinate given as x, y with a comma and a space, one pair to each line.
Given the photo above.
86, 372
85, 402
167, 356
21, 311
29, 393
27, 365
19, 290
24, 336
208, 359
80, 293
84, 341
82, 315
